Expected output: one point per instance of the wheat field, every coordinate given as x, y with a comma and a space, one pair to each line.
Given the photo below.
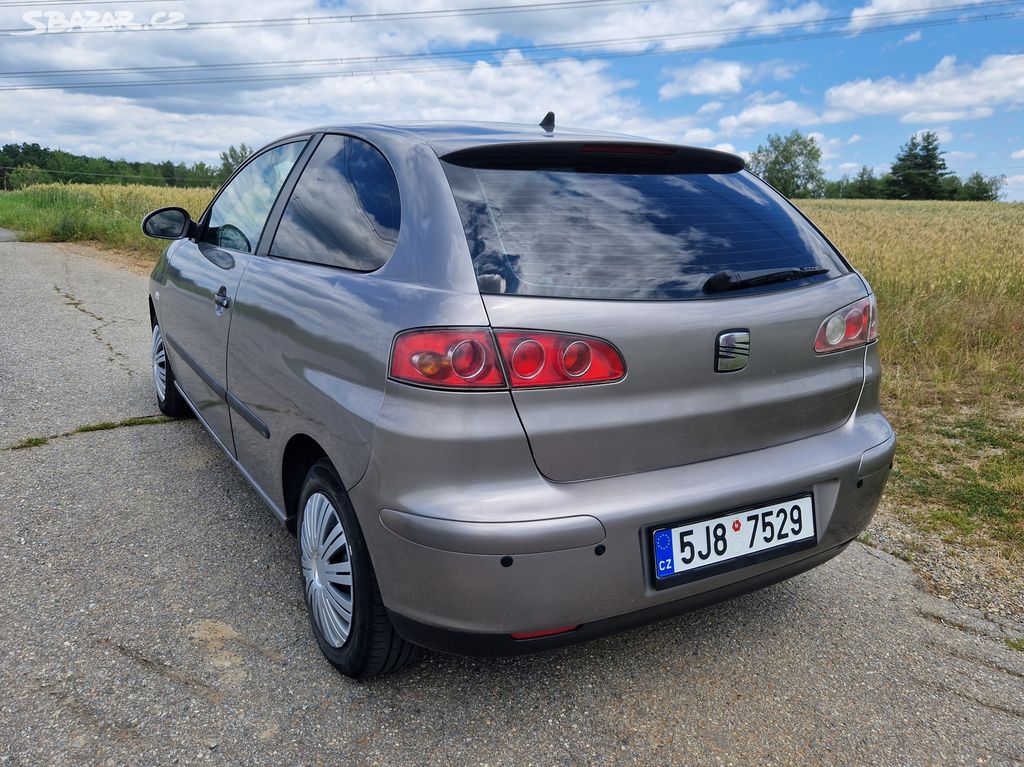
109, 215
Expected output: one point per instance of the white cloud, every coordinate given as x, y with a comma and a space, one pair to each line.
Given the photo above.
913, 37
874, 13
848, 167
960, 155
765, 114
830, 146
699, 136
945, 134
194, 122
710, 108
710, 77
1018, 155
776, 70
707, 77
946, 93
947, 115
726, 147
581, 93
711, 18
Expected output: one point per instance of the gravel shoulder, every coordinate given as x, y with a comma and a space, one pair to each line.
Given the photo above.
153, 613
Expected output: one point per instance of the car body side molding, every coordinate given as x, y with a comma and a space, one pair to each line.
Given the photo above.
208, 379
233, 402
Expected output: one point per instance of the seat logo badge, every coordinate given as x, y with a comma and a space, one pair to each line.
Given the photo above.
732, 351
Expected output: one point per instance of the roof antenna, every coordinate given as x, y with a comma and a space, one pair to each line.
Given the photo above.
548, 123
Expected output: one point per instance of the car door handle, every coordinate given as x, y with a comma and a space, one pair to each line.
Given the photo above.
221, 298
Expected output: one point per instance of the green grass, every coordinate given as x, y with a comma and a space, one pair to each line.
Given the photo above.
106, 425
108, 215
144, 420
30, 442
1015, 644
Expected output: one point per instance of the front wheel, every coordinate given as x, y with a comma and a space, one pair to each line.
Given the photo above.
168, 398
344, 604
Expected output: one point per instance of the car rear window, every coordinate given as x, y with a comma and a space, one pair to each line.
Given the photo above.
626, 236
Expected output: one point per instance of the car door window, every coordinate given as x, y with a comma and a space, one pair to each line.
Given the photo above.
345, 210
239, 213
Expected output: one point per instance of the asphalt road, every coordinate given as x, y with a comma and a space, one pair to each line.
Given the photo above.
152, 613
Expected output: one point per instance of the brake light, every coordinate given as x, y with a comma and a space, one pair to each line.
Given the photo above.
663, 151
451, 358
540, 358
851, 326
544, 633
466, 358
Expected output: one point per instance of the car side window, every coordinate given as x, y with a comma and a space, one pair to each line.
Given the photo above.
345, 209
239, 213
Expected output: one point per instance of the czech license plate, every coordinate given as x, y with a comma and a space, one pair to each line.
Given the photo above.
732, 536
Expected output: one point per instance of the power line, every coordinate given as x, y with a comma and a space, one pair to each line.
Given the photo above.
387, 58
438, 13
463, 65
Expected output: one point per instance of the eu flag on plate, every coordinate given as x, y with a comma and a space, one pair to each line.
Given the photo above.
664, 558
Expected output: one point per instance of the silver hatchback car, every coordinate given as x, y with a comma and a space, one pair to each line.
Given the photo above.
516, 387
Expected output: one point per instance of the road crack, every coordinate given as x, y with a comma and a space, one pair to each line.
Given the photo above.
118, 358
169, 672
143, 420
991, 706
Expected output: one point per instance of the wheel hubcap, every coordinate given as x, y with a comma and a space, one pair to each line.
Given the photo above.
159, 355
327, 569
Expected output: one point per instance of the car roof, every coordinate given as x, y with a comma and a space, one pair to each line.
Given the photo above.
446, 137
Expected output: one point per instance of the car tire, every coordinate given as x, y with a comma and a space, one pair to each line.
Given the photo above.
168, 398
337, 571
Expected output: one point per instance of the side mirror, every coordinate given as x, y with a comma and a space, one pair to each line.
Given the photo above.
168, 224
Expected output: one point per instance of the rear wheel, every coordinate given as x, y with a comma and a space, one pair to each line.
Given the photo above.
168, 398
344, 604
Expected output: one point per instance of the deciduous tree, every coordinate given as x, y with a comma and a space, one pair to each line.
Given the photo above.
792, 164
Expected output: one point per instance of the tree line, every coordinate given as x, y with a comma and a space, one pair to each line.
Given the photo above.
22, 165
792, 164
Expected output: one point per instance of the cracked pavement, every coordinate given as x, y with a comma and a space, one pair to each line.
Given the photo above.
153, 613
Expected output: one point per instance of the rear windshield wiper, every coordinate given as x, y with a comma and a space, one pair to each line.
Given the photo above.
723, 281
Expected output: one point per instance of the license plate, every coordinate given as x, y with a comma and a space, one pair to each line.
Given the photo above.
732, 536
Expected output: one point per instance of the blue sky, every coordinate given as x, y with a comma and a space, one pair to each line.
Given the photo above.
862, 76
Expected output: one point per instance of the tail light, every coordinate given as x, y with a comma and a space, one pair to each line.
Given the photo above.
535, 358
447, 359
851, 326
467, 358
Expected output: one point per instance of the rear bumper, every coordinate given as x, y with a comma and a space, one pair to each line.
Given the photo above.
487, 645
471, 544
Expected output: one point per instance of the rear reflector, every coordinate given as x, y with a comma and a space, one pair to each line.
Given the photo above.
466, 358
545, 633
848, 328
